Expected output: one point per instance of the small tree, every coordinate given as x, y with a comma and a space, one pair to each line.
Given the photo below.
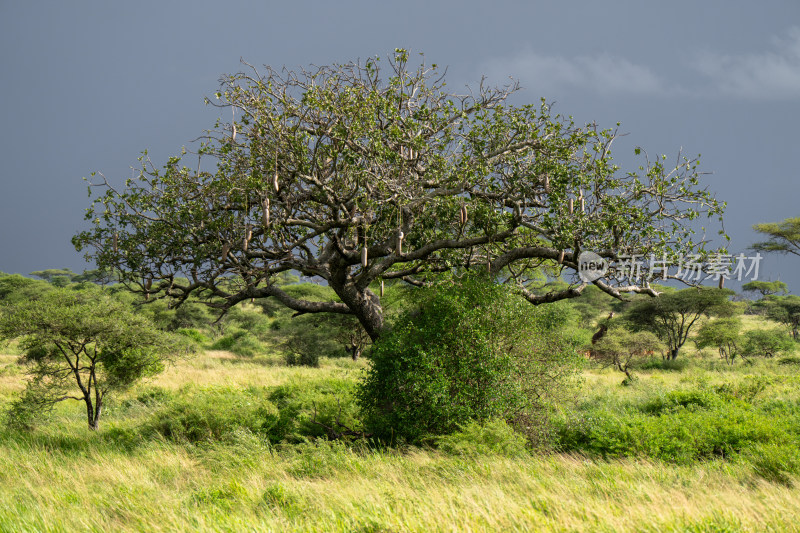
783, 309
672, 315
766, 288
60, 277
722, 334
767, 343
80, 340
621, 348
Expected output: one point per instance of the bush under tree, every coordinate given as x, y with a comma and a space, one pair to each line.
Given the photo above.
473, 351
722, 334
784, 310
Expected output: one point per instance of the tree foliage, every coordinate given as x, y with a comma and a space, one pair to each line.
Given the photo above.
783, 309
621, 349
722, 334
80, 346
784, 236
672, 315
767, 343
359, 172
472, 351
15, 288
766, 288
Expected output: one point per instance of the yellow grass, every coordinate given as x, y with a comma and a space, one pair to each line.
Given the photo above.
62, 478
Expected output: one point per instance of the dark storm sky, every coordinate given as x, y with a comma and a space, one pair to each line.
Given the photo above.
88, 85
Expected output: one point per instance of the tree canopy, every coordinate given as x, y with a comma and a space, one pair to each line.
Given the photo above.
355, 173
81, 345
766, 288
672, 315
783, 309
784, 236
722, 334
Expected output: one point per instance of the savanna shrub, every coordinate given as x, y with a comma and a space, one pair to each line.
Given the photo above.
239, 341
302, 359
194, 335
673, 365
205, 415
474, 350
680, 426
306, 409
494, 437
767, 343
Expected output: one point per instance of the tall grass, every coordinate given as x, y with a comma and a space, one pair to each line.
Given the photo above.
130, 476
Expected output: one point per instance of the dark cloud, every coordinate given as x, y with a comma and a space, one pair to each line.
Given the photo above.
88, 85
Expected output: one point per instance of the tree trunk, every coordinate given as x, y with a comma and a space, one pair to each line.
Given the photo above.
93, 414
365, 305
673, 353
354, 350
90, 415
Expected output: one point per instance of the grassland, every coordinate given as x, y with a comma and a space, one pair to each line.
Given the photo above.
61, 477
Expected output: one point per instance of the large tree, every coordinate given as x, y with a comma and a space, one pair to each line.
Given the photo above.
358, 173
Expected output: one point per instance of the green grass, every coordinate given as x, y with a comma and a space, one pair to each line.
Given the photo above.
226, 443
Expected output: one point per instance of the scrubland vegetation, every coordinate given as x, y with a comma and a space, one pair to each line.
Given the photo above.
268, 426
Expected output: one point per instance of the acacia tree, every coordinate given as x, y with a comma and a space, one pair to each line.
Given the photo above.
621, 348
722, 334
767, 343
672, 316
784, 236
783, 309
766, 288
356, 173
80, 346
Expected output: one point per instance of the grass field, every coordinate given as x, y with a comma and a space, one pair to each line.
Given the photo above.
61, 477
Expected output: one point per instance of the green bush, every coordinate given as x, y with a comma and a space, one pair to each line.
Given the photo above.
767, 343
472, 351
206, 415
239, 341
681, 426
494, 437
670, 365
302, 359
194, 335
680, 399
307, 410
